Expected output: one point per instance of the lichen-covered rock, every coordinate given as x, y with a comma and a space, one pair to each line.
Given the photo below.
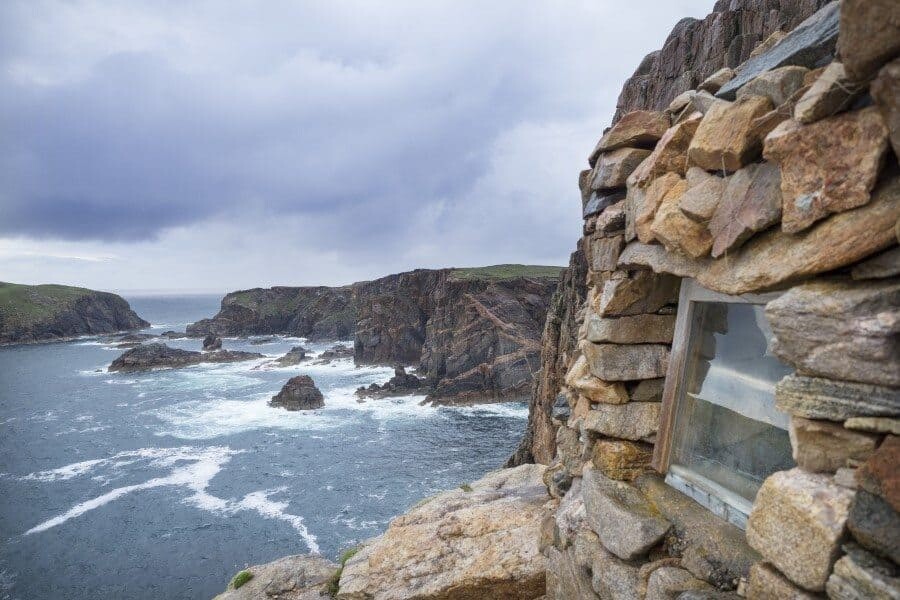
777, 85
831, 93
613, 168
822, 446
669, 155
637, 129
477, 544
750, 203
860, 575
818, 398
886, 91
828, 166
621, 460
632, 421
798, 522
766, 583
634, 329
297, 577
869, 36
725, 139
840, 329
613, 362
627, 525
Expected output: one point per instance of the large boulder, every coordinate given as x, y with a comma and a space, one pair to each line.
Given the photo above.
298, 577
479, 541
299, 393
159, 356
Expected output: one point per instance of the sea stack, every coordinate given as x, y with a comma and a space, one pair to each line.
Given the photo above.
299, 393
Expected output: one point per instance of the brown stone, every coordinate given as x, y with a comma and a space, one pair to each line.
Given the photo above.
880, 475
613, 168
822, 446
627, 362
642, 292
840, 329
701, 102
655, 193
725, 140
669, 156
766, 583
751, 203
605, 252
712, 83
828, 166
634, 205
702, 197
620, 459
676, 231
637, 129
637, 329
579, 379
680, 102
880, 266
798, 523
869, 35
886, 91
833, 92
633, 421
777, 85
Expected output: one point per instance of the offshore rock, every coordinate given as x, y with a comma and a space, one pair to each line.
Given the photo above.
212, 342
294, 356
817, 161
299, 393
870, 35
462, 544
401, 384
298, 577
726, 139
157, 356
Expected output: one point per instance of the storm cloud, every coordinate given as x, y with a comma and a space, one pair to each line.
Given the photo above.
392, 135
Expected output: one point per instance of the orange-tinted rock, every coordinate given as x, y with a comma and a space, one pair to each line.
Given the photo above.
670, 154
725, 139
880, 474
651, 198
828, 166
751, 203
637, 129
703, 195
621, 460
869, 35
613, 168
886, 91
675, 230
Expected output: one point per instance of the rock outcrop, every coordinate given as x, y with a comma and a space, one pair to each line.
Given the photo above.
34, 313
299, 393
160, 356
212, 342
294, 356
298, 577
401, 384
479, 541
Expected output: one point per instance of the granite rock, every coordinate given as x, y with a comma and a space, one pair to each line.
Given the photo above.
643, 292
874, 424
703, 195
751, 203
725, 139
605, 252
880, 476
668, 583
621, 460
675, 230
633, 421
580, 379
635, 329
613, 362
860, 575
614, 578
637, 129
599, 201
875, 524
669, 155
613, 168
880, 266
650, 201
886, 91
714, 82
766, 583
297, 577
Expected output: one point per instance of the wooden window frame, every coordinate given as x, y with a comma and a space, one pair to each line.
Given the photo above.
691, 293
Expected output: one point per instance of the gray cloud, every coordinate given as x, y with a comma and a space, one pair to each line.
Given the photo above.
383, 128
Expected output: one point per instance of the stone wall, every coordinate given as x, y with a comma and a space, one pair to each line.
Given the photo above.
780, 174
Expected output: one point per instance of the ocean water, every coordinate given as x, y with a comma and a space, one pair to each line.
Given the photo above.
164, 484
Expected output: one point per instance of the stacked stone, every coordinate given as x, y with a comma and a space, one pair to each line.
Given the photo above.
778, 175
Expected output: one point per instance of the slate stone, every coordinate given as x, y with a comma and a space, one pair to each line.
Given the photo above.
600, 201
819, 398
751, 203
811, 44
875, 525
614, 362
611, 222
870, 35
625, 522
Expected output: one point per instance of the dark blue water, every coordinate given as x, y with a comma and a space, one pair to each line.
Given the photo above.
164, 484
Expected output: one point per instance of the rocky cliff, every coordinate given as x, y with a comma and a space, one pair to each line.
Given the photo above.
32, 313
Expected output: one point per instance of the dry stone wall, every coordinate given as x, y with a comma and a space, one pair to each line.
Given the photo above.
779, 173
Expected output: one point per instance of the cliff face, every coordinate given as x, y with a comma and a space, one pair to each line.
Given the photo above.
318, 313
31, 313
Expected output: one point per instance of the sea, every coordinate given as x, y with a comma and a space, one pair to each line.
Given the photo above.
164, 484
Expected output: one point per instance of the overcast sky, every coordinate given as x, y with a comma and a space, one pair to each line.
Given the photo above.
222, 145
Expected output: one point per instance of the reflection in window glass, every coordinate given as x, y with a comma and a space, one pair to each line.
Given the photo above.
727, 428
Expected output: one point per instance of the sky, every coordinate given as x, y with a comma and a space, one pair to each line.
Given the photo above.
211, 146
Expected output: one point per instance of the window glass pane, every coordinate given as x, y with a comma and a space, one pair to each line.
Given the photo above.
727, 428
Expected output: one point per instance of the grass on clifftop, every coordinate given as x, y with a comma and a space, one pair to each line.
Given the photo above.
506, 272
25, 304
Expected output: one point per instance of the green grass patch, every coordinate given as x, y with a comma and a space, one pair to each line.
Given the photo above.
499, 272
466, 487
26, 304
334, 584
241, 578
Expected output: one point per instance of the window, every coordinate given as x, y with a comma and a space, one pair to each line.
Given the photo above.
720, 434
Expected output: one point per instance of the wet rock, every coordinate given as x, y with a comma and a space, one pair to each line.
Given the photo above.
580, 379
839, 329
668, 583
810, 45
467, 544
880, 266
294, 356
833, 92
613, 362
766, 583
880, 476
212, 342
860, 575
870, 35
636, 329
613, 168
156, 356
676, 231
669, 155
645, 205
625, 522
637, 129
813, 157
298, 577
798, 523
777, 85
725, 139
886, 91
633, 421
875, 524
336, 352
621, 460
299, 393
703, 195
751, 203
643, 292
714, 82
822, 446
818, 398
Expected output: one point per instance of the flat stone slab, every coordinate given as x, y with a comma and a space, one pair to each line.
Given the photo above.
637, 129
614, 362
633, 421
819, 398
641, 293
634, 329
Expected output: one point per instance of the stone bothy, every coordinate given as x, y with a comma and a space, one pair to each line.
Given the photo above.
732, 410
